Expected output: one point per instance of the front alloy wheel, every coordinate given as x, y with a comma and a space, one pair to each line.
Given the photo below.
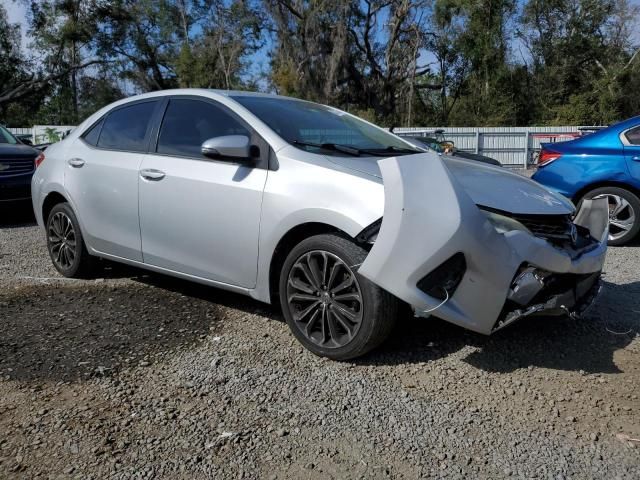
329, 307
325, 300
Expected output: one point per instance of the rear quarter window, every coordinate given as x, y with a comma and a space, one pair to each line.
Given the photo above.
91, 136
126, 128
633, 135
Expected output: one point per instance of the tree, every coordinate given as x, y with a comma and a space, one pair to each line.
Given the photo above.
395, 62
582, 57
141, 38
483, 44
443, 42
19, 78
13, 67
357, 54
160, 44
218, 58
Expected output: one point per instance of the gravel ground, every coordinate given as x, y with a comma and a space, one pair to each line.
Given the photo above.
142, 376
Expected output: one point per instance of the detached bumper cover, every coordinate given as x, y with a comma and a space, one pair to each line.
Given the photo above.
428, 218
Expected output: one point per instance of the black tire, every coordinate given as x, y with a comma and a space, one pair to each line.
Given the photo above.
68, 253
618, 236
376, 311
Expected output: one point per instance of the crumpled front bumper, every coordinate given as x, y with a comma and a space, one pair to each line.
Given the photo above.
427, 222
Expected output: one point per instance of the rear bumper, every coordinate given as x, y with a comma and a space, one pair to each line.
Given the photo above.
424, 226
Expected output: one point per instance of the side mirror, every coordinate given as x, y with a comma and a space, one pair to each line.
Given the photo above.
232, 147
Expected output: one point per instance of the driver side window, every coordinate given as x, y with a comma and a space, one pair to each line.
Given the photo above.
189, 123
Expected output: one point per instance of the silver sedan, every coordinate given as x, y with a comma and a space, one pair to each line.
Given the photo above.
302, 204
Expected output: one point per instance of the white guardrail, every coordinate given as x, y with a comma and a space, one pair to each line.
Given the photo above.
515, 147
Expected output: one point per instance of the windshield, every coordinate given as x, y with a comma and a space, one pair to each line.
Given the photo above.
6, 137
319, 127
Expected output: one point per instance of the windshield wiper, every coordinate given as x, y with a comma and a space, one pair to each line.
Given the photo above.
356, 152
336, 147
389, 150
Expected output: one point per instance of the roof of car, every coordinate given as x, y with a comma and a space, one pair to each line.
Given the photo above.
246, 93
231, 94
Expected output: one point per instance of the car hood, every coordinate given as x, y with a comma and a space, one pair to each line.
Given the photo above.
487, 185
18, 150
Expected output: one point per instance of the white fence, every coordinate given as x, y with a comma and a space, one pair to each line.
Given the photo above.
44, 133
515, 147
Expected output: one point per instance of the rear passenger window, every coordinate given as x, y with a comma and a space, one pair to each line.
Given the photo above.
91, 135
633, 135
126, 128
187, 124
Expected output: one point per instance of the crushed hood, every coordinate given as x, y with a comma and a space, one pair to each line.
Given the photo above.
487, 185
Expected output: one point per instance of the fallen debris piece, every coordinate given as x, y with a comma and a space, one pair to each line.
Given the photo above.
626, 438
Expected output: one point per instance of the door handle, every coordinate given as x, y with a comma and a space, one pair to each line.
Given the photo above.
636, 158
152, 174
76, 162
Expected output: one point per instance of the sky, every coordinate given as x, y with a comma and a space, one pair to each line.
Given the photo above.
17, 13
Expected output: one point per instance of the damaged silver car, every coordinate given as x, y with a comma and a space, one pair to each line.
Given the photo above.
308, 206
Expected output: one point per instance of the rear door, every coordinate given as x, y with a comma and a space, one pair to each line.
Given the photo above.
200, 216
101, 178
631, 141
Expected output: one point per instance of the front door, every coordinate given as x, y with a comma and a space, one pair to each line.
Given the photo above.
101, 177
200, 216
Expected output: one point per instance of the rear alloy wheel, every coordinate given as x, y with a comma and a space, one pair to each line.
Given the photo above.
624, 213
332, 310
66, 245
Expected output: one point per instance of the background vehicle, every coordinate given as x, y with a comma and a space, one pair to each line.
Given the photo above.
17, 164
446, 147
25, 138
604, 164
335, 218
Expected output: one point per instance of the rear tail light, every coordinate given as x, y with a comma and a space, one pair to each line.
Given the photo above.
39, 159
547, 156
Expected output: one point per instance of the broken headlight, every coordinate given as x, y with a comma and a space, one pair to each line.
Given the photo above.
504, 224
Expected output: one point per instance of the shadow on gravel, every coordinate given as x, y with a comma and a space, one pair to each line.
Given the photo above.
94, 328
72, 333
16, 214
550, 342
211, 294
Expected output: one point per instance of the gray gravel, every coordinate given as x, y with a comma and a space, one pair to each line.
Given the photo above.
141, 376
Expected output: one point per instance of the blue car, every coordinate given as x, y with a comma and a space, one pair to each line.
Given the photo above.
603, 164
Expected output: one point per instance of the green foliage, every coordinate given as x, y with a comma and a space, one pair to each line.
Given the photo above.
52, 135
394, 62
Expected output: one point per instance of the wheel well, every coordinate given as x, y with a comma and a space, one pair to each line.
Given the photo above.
286, 243
51, 201
625, 186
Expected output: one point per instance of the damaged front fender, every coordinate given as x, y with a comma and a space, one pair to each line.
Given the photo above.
429, 219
